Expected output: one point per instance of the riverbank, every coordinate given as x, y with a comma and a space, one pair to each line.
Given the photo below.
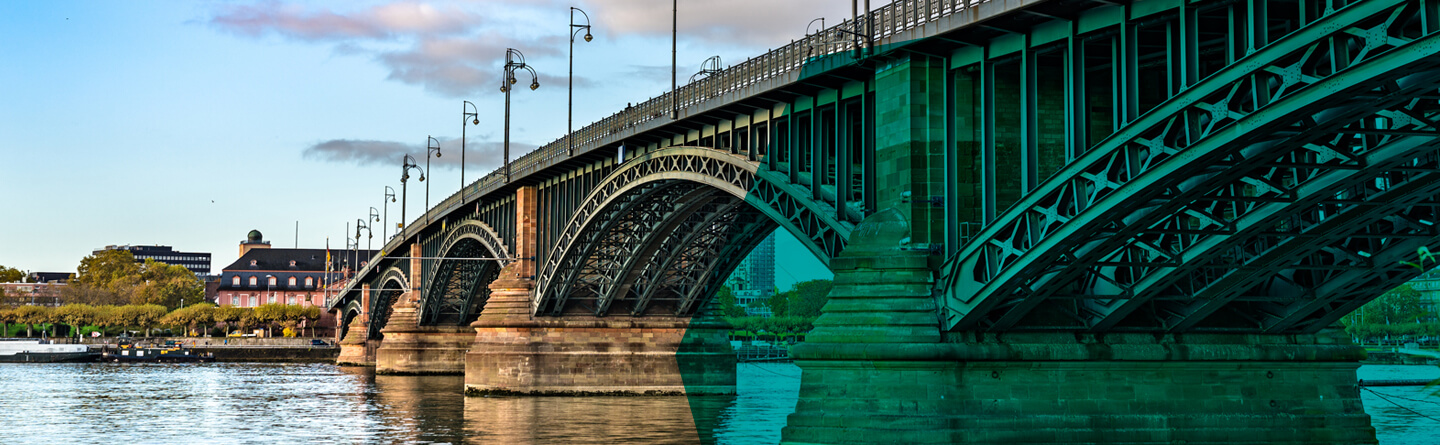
238, 349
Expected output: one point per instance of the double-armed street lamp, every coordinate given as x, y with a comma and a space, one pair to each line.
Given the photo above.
575, 29
431, 146
466, 118
514, 60
385, 225
409, 163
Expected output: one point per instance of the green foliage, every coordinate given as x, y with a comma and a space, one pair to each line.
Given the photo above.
113, 277
807, 297
728, 304
779, 304
75, 315
774, 325
11, 275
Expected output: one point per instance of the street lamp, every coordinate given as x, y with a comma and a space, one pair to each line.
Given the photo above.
465, 119
360, 224
570, 91
268, 293
511, 54
709, 67
429, 148
375, 217
409, 163
385, 225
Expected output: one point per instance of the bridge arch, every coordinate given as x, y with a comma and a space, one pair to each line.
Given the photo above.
662, 232
456, 287
1281, 191
392, 283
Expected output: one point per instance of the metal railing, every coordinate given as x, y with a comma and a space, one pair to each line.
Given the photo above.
780, 64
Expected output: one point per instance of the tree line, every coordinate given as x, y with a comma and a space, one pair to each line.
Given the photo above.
1398, 315
793, 311
146, 317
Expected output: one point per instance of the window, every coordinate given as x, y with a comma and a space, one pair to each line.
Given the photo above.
292, 263
254, 300
292, 281
271, 280
272, 298
253, 263
292, 300
235, 299
252, 281
309, 281
235, 280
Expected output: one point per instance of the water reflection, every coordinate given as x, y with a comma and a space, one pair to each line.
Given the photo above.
582, 420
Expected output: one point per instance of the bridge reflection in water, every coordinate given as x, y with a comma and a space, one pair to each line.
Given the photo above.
432, 409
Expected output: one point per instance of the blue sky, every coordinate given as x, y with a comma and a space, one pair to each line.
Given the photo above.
190, 123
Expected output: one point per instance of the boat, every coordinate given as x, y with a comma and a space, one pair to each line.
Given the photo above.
43, 351
162, 354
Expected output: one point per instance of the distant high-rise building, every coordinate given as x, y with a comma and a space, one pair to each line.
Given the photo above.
755, 277
197, 262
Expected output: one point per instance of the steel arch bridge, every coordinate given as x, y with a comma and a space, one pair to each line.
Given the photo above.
1070, 165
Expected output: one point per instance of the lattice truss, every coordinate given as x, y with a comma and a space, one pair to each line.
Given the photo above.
656, 237
1275, 196
383, 292
456, 289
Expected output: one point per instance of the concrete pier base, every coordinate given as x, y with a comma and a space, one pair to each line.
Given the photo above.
428, 350
1067, 388
877, 369
355, 350
513, 354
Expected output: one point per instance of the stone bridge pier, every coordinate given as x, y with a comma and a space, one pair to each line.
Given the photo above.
877, 369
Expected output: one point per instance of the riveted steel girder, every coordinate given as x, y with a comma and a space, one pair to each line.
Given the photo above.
383, 293
455, 290
588, 260
1245, 195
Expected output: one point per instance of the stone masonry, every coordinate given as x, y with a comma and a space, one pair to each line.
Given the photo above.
877, 369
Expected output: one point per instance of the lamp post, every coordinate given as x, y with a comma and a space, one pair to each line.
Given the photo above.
360, 224
465, 116
269, 293
375, 217
431, 146
385, 225
570, 91
409, 163
511, 55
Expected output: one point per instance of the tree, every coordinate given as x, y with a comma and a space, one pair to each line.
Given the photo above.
232, 316
728, 304
106, 316
75, 315
143, 316
31, 316
7, 316
105, 267
807, 297
11, 275
779, 304
166, 285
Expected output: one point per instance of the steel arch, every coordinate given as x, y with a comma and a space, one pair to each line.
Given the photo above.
391, 284
456, 289
1152, 188
698, 167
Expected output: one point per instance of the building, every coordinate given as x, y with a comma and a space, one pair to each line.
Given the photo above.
32, 294
51, 277
197, 262
754, 278
265, 275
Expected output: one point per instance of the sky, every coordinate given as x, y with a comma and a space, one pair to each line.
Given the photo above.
188, 124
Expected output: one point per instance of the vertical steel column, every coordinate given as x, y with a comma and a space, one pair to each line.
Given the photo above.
843, 155
1189, 46
1127, 60
987, 135
1029, 119
867, 103
1075, 98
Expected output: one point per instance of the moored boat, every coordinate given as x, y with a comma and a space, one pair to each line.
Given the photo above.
38, 351
167, 354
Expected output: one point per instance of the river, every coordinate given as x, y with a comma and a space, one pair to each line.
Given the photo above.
318, 403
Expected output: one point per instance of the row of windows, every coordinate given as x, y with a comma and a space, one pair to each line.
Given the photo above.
167, 259
254, 300
235, 281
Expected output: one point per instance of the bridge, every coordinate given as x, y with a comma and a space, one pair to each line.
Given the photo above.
1049, 220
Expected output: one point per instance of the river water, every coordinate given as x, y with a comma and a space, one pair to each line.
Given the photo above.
319, 403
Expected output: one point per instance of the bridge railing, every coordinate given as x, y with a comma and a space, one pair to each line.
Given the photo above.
780, 64
784, 62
